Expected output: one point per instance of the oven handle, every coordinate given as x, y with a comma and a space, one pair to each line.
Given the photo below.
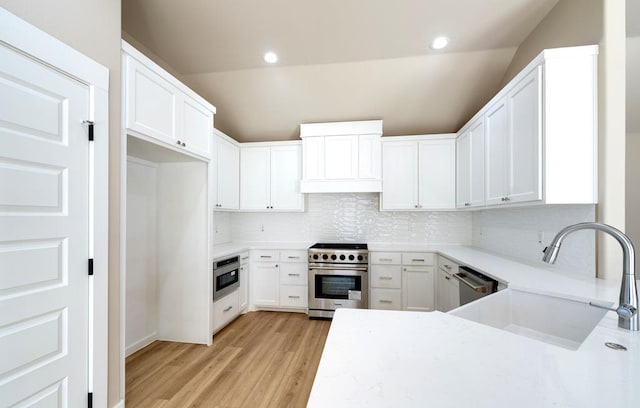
337, 268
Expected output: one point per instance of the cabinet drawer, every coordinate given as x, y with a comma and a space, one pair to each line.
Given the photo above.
418, 258
260, 255
447, 265
244, 257
225, 310
388, 299
293, 274
382, 258
293, 296
293, 256
386, 276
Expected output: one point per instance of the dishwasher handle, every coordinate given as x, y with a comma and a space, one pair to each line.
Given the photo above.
475, 286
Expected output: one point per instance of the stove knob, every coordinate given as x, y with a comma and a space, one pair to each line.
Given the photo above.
315, 256
351, 257
342, 257
325, 256
360, 258
334, 257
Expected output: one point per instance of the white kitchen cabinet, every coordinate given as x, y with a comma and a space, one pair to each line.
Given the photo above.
386, 276
418, 173
270, 177
279, 280
225, 310
470, 165
243, 291
161, 108
448, 290
541, 133
227, 172
341, 157
418, 288
385, 299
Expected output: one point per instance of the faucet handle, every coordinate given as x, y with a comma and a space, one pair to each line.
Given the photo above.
625, 311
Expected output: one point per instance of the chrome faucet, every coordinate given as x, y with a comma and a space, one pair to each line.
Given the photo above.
628, 317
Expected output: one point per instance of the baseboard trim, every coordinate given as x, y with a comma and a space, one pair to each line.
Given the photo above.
119, 404
140, 344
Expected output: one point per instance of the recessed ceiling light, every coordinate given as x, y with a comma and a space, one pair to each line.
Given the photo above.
270, 57
439, 43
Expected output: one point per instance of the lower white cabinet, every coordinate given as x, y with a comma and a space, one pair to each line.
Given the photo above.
418, 288
279, 279
243, 292
448, 292
402, 281
225, 310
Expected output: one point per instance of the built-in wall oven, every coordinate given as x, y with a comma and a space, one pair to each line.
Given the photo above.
338, 277
226, 277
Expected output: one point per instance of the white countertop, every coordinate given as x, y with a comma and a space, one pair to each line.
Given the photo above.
375, 358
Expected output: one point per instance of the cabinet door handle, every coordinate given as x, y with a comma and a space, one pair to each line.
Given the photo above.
447, 278
446, 266
386, 259
265, 256
467, 204
184, 144
244, 258
417, 260
385, 301
294, 257
294, 274
294, 297
227, 309
386, 278
179, 143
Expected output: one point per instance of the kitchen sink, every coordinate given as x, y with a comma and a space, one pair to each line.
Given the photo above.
553, 320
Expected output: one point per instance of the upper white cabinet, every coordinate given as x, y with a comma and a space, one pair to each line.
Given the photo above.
341, 157
160, 108
270, 176
418, 172
470, 165
540, 135
227, 172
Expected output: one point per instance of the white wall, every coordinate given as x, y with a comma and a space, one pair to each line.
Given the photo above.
141, 301
515, 233
347, 217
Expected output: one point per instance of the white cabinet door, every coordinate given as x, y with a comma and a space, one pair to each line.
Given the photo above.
228, 175
437, 174
496, 154
341, 157
265, 284
525, 142
225, 310
477, 158
285, 178
448, 292
399, 175
243, 293
255, 178
313, 148
463, 170
197, 122
418, 288
151, 103
369, 157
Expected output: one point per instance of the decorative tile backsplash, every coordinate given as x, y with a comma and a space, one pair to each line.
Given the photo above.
517, 232
346, 217
511, 232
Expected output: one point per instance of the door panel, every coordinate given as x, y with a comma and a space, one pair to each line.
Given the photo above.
285, 178
437, 174
399, 175
497, 139
44, 167
463, 170
254, 178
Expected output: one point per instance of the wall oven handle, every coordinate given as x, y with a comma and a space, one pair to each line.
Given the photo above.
337, 268
462, 278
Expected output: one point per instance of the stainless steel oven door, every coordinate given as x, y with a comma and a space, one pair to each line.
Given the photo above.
331, 288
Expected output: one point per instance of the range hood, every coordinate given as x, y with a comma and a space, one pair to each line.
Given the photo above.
341, 157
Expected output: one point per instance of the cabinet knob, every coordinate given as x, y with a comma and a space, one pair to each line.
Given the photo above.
179, 143
184, 144
467, 204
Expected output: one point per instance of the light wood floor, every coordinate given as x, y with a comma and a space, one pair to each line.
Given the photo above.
262, 359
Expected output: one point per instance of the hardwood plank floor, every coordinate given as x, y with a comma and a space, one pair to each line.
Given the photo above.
262, 359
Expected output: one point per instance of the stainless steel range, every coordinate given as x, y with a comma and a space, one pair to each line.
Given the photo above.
338, 277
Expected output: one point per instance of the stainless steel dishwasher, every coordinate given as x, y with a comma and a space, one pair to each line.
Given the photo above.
474, 285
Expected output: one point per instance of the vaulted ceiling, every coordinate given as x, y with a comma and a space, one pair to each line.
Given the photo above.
338, 59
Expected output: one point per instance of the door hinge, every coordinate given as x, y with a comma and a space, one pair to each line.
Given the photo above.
90, 400
90, 266
90, 129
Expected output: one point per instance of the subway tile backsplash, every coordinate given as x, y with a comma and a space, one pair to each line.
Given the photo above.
511, 232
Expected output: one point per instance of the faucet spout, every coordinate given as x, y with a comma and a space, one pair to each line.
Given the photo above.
628, 318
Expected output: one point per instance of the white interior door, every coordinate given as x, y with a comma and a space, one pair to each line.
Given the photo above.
44, 235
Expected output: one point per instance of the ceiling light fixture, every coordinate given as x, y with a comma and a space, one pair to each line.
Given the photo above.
270, 57
439, 43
